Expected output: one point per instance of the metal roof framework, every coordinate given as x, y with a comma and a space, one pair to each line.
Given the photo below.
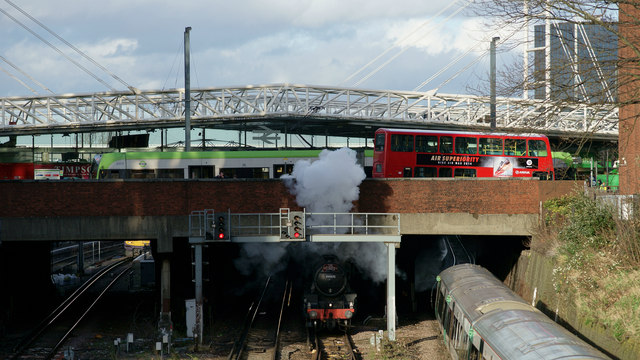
303, 109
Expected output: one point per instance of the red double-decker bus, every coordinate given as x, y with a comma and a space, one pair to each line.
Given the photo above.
428, 153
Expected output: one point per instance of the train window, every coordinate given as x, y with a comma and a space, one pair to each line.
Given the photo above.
460, 172
516, 147
441, 306
170, 174
378, 168
537, 148
445, 172
426, 144
402, 143
246, 173
142, 174
490, 146
282, 169
466, 145
379, 143
446, 144
406, 172
201, 172
425, 172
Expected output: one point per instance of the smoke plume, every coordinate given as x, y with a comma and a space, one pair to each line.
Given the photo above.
329, 184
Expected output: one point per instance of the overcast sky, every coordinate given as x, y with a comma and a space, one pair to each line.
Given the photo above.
235, 43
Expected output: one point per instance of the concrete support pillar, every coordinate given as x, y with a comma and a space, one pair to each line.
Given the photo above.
198, 260
391, 291
164, 324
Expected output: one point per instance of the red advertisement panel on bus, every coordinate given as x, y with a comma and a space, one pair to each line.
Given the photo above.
430, 153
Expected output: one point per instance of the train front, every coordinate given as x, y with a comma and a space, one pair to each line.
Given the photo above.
330, 303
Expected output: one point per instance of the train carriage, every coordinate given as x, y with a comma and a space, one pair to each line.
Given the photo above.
481, 318
260, 164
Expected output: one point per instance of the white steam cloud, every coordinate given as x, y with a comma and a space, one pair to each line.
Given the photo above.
327, 185
330, 184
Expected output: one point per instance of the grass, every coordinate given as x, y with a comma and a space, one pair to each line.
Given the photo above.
597, 262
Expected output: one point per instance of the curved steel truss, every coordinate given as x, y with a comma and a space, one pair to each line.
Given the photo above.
165, 108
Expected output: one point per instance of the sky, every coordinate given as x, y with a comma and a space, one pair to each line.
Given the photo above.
237, 43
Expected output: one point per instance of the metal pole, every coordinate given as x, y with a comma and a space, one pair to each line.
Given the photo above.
199, 297
492, 75
187, 92
525, 81
391, 291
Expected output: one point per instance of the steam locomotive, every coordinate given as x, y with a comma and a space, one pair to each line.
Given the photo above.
330, 303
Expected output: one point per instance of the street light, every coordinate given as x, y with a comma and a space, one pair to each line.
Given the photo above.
492, 75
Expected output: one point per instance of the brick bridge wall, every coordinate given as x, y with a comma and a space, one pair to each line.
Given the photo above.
180, 197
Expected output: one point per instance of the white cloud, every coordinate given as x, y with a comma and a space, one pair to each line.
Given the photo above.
234, 43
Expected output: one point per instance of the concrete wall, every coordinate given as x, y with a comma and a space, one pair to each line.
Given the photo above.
533, 274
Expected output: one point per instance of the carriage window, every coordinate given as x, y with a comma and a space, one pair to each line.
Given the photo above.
537, 148
379, 143
517, 147
490, 146
465, 173
428, 144
425, 172
466, 145
445, 172
446, 144
402, 143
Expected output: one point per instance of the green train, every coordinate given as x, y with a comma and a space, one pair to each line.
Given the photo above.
240, 164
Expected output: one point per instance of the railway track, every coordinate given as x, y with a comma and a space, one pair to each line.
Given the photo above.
334, 347
48, 336
260, 337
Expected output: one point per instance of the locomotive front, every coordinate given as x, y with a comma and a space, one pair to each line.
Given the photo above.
330, 302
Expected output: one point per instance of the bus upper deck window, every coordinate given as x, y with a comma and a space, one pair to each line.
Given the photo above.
466, 145
490, 146
379, 143
402, 143
515, 147
446, 144
537, 148
426, 144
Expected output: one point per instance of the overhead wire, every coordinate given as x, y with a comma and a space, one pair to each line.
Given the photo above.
481, 56
80, 52
57, 49
398, 43
25, 74
441, 23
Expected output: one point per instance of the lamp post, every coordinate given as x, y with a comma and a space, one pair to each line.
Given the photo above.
187, 91
492, 80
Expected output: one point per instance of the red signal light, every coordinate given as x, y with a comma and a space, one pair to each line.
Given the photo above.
221, 235
296, 235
